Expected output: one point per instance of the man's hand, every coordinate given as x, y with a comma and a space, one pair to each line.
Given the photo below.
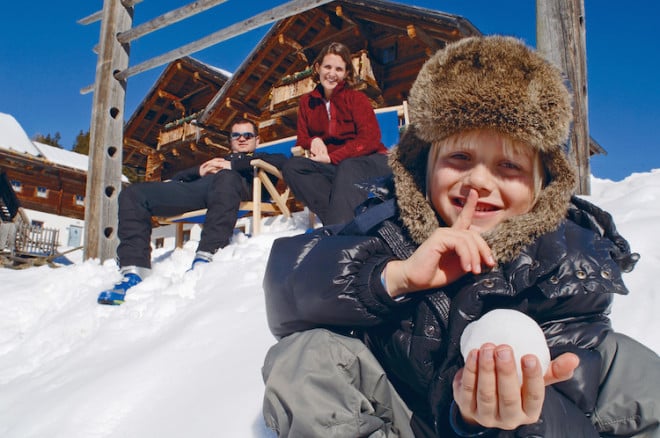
214, 165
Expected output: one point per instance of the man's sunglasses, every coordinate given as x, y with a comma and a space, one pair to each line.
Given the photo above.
245, 135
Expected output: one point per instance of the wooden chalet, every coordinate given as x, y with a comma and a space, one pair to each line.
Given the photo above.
161, 136
185, 118
43, 185
390, 42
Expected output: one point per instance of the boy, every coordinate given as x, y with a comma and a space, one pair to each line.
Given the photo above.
482, 218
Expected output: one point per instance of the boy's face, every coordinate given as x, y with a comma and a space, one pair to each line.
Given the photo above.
504, 182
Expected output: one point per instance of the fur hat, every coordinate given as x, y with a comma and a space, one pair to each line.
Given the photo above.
496, 83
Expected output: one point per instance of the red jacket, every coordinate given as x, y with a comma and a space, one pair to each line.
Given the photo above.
351, 130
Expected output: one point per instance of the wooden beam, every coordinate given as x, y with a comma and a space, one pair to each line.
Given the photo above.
176, 101
210, 142
106, 136
283, 40
417, 33
286, 10
96, 16
92, 18
560, 37
167, 19
239, 106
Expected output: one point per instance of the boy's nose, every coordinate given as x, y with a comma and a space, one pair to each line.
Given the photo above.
480, 178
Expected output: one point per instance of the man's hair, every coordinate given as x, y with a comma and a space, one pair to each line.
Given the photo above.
242, 121
344, 53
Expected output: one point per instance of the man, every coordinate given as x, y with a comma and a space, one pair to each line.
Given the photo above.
219, 185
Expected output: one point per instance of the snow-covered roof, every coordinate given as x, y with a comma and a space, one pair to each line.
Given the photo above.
62, 157
13, 137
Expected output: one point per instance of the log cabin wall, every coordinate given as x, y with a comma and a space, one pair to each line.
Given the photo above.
44, 186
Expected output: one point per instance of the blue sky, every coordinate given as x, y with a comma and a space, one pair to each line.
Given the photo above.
46, 58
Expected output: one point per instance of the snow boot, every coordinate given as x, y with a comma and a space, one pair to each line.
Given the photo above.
115, 296
201, 258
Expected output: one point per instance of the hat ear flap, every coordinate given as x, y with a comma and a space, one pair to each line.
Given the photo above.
408, 161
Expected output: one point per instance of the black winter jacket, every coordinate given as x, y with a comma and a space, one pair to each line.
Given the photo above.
565, 280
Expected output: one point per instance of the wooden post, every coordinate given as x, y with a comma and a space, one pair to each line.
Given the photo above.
106, 134
560, 38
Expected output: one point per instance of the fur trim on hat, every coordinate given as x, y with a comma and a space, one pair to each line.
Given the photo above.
487, 83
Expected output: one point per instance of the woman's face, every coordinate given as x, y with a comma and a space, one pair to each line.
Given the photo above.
331, 71
504, 182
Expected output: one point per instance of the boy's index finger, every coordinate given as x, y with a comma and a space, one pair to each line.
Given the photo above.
464, 219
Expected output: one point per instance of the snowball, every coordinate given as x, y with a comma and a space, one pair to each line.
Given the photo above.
511, 327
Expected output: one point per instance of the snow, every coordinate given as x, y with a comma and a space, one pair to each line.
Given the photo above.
182, 357
62, 156
13, 137
511, 327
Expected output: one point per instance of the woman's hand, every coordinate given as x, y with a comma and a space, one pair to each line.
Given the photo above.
447, 255
319, 151
487, 390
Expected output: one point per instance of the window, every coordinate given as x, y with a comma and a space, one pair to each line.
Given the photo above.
186, 236
386, 55
79, 200
42, 192
16, 185
37, 224
160, 242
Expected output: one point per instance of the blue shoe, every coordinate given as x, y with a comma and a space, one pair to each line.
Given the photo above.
115, 296
201, 258
197, 262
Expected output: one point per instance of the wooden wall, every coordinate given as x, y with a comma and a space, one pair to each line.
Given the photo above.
62, 184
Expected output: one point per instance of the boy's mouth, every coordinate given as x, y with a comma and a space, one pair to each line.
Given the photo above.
481, 207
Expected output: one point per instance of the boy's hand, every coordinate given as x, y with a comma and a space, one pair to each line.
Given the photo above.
448, 254
487, 391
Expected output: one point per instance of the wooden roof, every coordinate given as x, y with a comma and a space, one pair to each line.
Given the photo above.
181, 92
195, 104
397, 38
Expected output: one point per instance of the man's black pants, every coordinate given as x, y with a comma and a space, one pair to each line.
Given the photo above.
220, 193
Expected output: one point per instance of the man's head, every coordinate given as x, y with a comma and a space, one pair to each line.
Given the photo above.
243, 136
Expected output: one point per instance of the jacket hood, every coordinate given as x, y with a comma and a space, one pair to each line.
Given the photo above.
493, 83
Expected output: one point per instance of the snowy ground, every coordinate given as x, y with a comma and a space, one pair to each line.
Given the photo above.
182, 357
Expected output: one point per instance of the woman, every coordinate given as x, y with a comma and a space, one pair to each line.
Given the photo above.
338, 127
